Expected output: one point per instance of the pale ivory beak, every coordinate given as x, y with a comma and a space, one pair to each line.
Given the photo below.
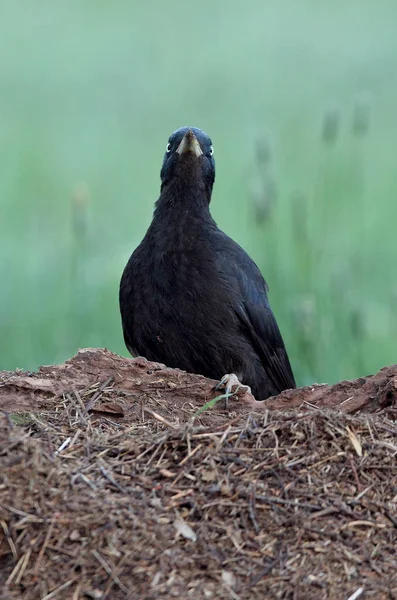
190, 143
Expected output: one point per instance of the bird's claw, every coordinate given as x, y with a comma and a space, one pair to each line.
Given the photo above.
230, 381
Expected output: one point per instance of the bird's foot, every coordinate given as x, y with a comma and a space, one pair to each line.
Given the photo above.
232, 385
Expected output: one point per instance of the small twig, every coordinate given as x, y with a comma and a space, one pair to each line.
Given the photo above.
59, 589
251, 510
112, 480
98, 393
21, 513
268, 569
226, 433
15, 570
63, 445
83, 478
156, 445
46, 540
159, 418
184, 460
23, 566
109, 571
83, 413
274, 500
181, 494
324, 460
9, 539
118, 569
347, 400
354, 470
390, 517
356, 594
307, 403
363, 523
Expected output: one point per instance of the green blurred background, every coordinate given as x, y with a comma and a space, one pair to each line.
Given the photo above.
300, 101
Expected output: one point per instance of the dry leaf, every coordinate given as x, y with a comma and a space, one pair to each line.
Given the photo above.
228, 578
111, 408
355, 441
184, 530
208, 475
167, 473
4, 545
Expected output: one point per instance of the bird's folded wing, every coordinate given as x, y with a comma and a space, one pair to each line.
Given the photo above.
255, 312
269, 345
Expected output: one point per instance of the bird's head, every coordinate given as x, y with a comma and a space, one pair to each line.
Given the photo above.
189, 158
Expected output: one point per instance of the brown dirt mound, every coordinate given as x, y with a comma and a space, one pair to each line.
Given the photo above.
113, 487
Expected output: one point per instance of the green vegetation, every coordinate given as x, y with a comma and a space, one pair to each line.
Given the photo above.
23, 419
299, 98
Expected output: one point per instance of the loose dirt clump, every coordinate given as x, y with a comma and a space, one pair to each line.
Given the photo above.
113, 485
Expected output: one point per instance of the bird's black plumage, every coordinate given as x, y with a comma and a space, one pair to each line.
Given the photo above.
190, 297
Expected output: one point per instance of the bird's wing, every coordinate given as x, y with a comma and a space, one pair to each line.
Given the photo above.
126, 302
254, 309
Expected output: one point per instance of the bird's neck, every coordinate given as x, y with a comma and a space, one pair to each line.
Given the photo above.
181, 215
182, 195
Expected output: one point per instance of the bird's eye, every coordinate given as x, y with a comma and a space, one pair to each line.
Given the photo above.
211, 150
168, 147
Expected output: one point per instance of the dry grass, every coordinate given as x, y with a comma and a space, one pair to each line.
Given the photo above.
292, 505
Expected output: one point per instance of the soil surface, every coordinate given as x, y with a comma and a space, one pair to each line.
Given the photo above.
122, 479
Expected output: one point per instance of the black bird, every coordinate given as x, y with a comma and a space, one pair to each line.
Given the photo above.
190, 297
